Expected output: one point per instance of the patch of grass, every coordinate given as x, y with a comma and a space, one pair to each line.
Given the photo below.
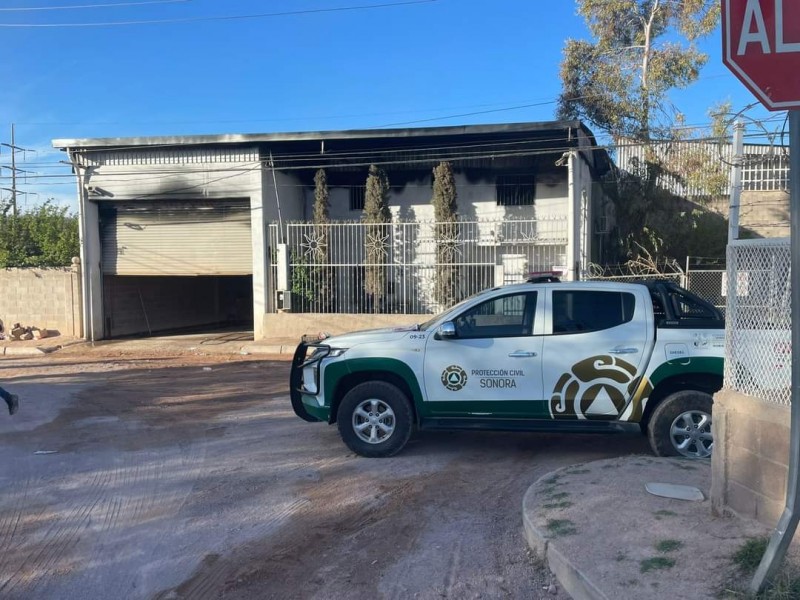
578, 471
665, 546
557, 495
554, 480
537, 561
656, 563
785, 586
559, 527
749, 555
560, 504
610, 466
659, 514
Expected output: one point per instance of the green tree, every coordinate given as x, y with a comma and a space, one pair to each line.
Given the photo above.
323, 274
620, 82
642, 50
696, 160
302, 283
376, 243
45, 236
445, 207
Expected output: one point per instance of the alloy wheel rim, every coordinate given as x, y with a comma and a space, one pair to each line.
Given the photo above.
374, 421
690, 434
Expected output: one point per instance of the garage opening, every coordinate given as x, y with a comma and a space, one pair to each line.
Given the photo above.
176, 267
147, 305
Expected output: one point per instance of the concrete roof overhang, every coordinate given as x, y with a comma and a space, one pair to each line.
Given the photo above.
547, 136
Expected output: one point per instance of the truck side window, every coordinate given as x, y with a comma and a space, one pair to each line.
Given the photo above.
507, 316
658, 308
687, 308
581, 311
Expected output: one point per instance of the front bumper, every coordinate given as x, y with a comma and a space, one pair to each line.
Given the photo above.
313, 409
310, 412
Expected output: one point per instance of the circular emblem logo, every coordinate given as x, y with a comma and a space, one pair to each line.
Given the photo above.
596, 388
454, 378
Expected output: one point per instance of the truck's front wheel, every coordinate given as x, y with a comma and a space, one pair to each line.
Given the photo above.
375, 419
681, 425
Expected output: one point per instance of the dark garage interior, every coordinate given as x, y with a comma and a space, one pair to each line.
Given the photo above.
144, 305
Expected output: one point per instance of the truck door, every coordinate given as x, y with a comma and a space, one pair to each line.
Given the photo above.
596, 349
492, 366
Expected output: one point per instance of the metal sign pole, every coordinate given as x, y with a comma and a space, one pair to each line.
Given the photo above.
784, 530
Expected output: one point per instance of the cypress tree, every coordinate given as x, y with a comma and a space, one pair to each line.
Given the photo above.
323, 275
444, 202
376, 243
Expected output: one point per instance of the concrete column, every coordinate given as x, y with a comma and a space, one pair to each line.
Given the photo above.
573, 216
258, 227
77, 297
91, 255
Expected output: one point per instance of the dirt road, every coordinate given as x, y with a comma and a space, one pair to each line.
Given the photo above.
155, 476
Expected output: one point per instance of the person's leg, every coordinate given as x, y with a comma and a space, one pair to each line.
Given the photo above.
11, 399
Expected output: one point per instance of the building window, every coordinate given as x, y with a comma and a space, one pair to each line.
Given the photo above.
515, 190
357, 193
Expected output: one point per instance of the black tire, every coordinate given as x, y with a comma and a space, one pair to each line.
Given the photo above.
387, 407
684, 410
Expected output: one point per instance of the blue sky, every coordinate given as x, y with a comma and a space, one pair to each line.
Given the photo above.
444, 62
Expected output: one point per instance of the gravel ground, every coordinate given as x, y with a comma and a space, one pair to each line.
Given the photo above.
631, 544
151, 475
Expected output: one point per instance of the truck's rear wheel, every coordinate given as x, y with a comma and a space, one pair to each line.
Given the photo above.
375, 419
681, 425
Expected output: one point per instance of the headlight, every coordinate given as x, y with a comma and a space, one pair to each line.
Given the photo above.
311, 366
310, 378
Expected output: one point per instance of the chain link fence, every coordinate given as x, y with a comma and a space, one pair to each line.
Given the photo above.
758, 349
709, 284
699, 278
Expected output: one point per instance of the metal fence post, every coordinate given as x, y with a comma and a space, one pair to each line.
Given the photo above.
787, 524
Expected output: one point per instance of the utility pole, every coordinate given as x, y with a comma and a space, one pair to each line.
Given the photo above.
14, 170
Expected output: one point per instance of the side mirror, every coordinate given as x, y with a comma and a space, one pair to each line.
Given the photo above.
447, 330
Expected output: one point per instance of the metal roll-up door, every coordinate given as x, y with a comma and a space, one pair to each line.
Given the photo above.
186, 238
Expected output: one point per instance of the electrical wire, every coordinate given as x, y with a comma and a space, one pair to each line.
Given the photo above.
83, 6
308, 11
453, 151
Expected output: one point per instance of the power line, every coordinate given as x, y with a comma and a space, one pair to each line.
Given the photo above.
470, 114
221, 18
82, 6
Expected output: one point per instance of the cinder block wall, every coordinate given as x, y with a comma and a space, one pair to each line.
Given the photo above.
751, 456
765, 214
44, 298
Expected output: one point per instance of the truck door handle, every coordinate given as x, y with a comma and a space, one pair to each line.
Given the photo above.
619, 350
522, 354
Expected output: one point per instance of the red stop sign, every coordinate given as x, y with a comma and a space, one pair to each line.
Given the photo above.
761, 45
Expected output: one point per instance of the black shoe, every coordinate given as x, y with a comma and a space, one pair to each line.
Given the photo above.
13, 404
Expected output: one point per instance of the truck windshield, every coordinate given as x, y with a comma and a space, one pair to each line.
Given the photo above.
453, 309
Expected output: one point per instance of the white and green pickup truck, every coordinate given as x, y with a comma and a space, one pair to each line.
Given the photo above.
543, 355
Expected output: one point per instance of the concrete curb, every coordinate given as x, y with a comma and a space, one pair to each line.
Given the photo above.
270, 349
35, 350
22, 351
574, 582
